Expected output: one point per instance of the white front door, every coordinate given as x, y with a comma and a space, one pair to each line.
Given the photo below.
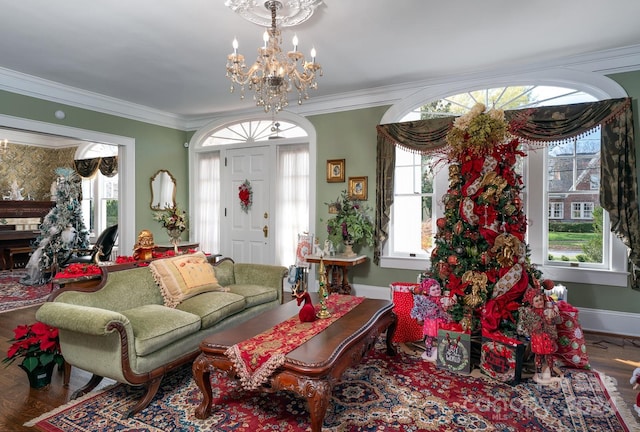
248, 236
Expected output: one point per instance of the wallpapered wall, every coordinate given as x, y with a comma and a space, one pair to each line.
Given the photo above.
33, 168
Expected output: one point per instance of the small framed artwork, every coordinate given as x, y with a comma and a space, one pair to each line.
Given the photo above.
358, 188
333, 208
335, 171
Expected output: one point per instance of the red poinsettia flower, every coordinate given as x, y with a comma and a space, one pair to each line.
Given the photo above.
37, 343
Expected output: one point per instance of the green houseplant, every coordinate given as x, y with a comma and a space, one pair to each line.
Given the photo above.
352, 224
38, 345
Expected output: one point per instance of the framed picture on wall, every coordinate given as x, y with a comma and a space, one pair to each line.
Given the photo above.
358, 188
335, 171
333, 208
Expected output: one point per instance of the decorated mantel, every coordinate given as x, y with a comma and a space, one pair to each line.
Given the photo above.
481, 284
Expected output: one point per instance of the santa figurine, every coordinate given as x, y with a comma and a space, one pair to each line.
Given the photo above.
538, 320
635, 380
428, 307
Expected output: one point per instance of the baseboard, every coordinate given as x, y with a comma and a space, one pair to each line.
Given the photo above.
612, 322
594, 320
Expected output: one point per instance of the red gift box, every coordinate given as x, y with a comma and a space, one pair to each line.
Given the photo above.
408, 329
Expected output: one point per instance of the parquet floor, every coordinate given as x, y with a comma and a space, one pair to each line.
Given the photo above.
612, 355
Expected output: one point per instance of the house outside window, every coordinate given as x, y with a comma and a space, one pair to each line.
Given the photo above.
556, 177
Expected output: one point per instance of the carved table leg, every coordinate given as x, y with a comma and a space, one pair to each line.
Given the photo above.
335, 282
346, 286
391, 350
318, 395
201, 374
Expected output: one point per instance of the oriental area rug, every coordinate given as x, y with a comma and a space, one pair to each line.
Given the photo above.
14, 295
401, 393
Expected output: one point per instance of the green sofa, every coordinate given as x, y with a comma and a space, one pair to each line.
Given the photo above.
121, 329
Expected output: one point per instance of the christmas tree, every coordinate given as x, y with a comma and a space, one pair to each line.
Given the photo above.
62, 230
480, 258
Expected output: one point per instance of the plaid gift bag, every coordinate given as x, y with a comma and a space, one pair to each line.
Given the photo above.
408, 329
501, 357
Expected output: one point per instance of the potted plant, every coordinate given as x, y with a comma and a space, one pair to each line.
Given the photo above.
39, 347
174, 220
352, 224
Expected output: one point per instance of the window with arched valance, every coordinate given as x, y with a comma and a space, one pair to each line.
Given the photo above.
87, 168
542, 126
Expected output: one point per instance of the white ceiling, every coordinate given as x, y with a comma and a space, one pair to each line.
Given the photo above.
170, 55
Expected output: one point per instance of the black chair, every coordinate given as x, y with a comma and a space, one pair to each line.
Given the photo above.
101, 250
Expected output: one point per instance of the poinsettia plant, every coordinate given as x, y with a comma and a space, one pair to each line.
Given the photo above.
37, 344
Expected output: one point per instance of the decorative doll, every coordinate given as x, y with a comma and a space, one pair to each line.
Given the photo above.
428, 307
143, 249
538, 321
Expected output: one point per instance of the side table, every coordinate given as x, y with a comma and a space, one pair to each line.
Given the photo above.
337, 268
182, 245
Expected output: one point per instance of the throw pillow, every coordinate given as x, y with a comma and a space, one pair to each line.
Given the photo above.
184, 276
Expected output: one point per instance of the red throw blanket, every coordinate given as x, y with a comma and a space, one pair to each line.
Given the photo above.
255, 359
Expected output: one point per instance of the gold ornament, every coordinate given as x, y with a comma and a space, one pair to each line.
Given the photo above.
505, 247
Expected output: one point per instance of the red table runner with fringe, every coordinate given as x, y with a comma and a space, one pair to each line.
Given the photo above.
255, 359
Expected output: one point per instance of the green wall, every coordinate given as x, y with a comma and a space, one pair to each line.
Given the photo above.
350, 135
156, 148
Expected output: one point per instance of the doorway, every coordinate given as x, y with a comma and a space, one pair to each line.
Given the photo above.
279, 164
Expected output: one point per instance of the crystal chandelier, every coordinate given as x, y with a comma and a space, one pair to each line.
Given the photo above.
275, 73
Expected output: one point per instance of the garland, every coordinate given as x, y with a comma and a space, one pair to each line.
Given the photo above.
246, 196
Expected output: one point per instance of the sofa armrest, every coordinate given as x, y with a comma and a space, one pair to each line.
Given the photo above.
80, 319
261, 274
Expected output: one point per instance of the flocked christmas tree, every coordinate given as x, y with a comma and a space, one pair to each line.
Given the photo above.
62, 230
480, 256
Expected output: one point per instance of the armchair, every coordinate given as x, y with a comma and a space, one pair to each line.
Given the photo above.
101, 250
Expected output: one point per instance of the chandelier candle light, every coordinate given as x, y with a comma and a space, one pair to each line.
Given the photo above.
274, 73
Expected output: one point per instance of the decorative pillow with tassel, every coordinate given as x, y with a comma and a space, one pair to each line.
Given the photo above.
184, 276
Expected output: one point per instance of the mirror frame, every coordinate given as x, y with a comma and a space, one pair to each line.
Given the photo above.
155, 177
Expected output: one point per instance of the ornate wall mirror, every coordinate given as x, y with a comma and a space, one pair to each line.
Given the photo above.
163, 190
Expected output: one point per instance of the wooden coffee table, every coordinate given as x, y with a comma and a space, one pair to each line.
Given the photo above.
312, 369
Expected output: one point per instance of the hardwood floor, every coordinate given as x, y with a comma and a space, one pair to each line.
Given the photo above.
615, 356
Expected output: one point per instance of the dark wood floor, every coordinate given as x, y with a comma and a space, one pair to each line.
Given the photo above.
614, 356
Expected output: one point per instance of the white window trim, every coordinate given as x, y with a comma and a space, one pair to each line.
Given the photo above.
598, 86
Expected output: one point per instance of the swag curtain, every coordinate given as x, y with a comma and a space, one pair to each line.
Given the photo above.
87, 168
618, 185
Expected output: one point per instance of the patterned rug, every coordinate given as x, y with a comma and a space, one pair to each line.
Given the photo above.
402, 393
14, 295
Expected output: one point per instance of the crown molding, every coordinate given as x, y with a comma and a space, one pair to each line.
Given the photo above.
28, 85
618, 60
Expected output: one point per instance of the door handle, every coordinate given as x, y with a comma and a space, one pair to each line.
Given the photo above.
265, 230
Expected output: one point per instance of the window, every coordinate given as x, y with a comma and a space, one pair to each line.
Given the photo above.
582, 210
556, 210
99, 193
577, 239
413, 198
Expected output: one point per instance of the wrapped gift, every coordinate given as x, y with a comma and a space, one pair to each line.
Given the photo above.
572, 347
408, 329
501, 357
454, 348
